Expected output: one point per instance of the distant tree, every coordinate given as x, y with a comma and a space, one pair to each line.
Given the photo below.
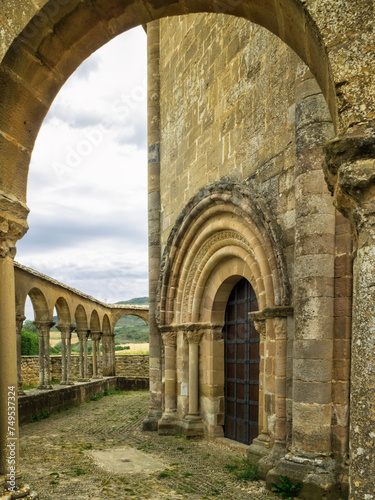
29, 343
29, 326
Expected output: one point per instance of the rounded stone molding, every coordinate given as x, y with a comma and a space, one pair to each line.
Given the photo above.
225, 230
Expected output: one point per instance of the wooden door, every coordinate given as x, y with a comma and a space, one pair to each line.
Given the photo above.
241, 365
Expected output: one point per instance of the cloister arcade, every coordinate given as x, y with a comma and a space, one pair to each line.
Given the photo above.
88, 317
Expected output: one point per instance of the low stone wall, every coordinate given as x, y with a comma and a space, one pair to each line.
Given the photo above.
128, 365
132, 365
35, 401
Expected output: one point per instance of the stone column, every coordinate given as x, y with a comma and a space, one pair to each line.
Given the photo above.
66, 354
154, 208
19, 323
112, 355
99, 358
350, 173
86, 357
96, 372
192, 424
43, 328
108, 343
82, 337
310, 458
269, 447
13, 226
167, 424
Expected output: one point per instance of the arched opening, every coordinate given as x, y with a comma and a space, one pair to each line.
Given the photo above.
241, 352
131, 335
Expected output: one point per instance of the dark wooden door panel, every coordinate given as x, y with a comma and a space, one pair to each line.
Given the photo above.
241, 365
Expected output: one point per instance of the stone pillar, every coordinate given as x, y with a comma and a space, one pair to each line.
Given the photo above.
82, 337
66, 354
350, 173
269, 447
86, 357
108, 343
19, 323
167, 424
154, 208
13, 226
43, 328
96, 369
192, 424
112, 355
310, 458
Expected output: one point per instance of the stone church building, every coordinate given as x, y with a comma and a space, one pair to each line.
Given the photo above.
261, 130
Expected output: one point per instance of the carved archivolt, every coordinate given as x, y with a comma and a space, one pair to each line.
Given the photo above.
224, 229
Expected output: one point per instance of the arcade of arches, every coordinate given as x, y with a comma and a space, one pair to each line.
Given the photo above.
261, 167
77, 312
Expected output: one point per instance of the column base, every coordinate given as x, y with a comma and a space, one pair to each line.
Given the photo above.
271, 459
192, 425
44, 387
167, 424
150, 423
66, 383
319, 476
83, 380
24, 492
97, 377
259, 448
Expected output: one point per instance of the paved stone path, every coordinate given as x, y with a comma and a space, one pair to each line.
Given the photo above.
58, 457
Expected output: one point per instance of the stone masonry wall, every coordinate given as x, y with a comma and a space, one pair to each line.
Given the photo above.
232, 69
126, 366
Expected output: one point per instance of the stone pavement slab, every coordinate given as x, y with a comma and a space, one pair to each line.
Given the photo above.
65, 457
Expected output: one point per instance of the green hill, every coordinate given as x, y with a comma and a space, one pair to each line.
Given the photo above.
131, 328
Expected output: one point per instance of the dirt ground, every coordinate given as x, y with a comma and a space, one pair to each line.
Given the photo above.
70, 456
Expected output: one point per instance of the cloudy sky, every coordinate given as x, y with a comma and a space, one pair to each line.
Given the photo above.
87, 189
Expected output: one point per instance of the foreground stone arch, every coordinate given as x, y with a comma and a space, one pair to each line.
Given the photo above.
41, 47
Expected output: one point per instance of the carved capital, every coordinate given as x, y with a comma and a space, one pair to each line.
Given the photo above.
66, 331
82, 334
350, 174
96, 335
169, 338
260, 326
20, 318
43, 327
194, 337
13, 223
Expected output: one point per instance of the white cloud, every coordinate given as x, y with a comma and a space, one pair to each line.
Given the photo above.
88, 177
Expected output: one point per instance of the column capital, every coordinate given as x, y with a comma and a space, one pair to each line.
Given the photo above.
349, 170
43, 327
66, 330
82, 333
96, 335
20, 318
169, 338
194, 337
13, 223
